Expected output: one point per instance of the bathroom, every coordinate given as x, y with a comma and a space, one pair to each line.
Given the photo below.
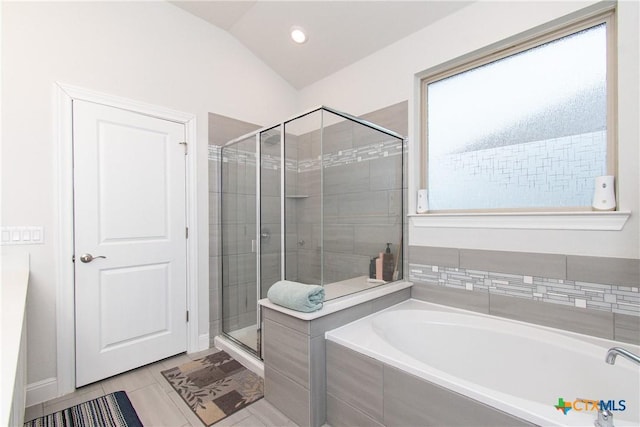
479, 262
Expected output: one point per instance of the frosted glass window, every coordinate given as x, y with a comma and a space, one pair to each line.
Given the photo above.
525, 131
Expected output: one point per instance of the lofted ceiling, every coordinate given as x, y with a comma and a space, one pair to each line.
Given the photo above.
339, 32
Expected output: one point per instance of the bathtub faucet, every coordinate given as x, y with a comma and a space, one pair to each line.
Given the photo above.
615, 351
604, 419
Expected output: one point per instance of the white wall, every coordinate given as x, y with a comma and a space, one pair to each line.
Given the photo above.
151, 52
388, 76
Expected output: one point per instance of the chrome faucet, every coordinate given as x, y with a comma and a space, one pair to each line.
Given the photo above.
615, 351
604, 418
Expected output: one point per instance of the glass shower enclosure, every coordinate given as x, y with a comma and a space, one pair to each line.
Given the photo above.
316, 199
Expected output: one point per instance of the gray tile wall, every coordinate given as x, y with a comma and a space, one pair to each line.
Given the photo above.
365, 391
591, 295
362, 204
355, 379
294, 358
341, 414
404, 405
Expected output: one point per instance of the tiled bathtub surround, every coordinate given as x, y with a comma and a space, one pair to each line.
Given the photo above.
598, 296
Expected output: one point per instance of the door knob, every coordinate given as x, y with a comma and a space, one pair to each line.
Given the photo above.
89, 257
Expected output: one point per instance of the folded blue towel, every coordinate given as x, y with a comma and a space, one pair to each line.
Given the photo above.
296, 296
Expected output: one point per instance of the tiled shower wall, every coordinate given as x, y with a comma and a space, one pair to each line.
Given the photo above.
361, 207
363, 196
366, 232
592, 295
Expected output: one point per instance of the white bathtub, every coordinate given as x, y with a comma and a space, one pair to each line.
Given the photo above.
518, 368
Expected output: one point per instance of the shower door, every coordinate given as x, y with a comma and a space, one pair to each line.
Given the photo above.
251, 232
239, 246
270, 202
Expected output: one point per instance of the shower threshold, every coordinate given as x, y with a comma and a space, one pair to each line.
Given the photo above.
246, 358
247, 336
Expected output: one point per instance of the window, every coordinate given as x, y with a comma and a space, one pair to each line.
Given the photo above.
528, 128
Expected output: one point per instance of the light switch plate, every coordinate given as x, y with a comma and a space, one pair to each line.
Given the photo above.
21, 235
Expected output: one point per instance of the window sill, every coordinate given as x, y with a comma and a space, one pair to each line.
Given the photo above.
601, 221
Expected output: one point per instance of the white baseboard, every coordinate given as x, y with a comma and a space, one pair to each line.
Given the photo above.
41, 391
203, 341
47, 389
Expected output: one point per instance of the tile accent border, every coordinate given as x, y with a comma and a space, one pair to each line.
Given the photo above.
387, 148
600, 296
390, 147
595, 296
213, 153
606, 284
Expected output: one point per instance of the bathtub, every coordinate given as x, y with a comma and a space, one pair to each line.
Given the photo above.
514, 367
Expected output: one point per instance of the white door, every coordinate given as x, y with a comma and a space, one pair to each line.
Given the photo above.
129, 207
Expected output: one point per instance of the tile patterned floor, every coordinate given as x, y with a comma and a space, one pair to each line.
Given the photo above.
157, 404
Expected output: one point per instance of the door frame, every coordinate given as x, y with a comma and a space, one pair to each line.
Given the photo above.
63, 231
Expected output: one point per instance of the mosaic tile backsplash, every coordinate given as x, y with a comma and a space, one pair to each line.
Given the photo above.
596, 296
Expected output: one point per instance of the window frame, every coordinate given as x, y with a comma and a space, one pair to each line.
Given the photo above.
514, 46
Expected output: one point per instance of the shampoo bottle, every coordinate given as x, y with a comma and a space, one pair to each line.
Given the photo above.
387, 264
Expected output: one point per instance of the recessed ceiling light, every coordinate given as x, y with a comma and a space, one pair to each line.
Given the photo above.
298, 35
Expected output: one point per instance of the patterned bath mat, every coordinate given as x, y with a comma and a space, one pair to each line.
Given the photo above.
112, 410
215, 386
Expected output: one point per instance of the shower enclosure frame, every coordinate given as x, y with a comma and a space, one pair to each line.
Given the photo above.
258, 217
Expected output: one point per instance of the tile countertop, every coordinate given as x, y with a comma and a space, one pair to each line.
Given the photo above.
341, 303
15, 277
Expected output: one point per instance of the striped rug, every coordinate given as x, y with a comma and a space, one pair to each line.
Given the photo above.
112, 410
